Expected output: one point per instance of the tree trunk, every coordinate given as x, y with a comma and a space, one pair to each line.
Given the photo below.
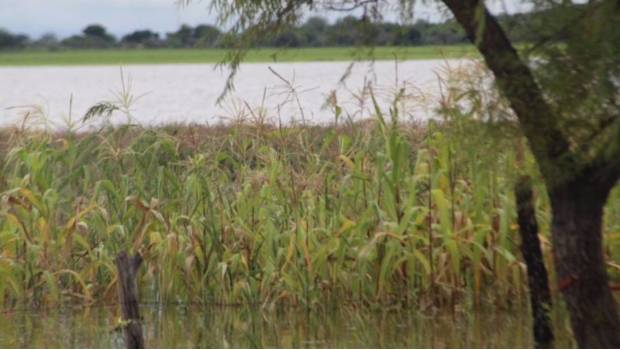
127, 267
577, 200
540, 297
580, 264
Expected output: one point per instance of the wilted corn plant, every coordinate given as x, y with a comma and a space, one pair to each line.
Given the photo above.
379, 212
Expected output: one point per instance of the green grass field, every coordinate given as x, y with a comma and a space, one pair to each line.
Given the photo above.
167, 56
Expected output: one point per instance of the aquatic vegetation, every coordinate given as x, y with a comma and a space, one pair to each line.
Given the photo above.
380, 212
252, 327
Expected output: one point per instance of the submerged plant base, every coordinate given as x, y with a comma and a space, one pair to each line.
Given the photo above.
243, 327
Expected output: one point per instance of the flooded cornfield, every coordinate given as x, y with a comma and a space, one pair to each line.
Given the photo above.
352, 174
242, 327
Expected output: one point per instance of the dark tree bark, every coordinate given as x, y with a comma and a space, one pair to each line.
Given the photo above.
578, 189
516, 81
128, 297
540, 297
580, 265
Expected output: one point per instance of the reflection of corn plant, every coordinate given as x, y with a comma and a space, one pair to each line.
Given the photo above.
376, 212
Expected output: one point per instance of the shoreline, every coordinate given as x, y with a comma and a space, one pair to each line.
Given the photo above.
13, 59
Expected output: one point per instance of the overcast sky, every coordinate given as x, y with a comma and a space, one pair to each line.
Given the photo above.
67, 17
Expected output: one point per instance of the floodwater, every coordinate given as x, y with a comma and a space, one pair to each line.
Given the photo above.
186, 93
223, 327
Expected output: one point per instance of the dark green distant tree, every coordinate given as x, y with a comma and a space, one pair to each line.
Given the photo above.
95, 30
10, 41
444, 33
74, 42
98, 33
206, 36
47, 41
93, 36
566, 99
314, 32
184, 37
353, 31
287, 39
397, 35
141, 39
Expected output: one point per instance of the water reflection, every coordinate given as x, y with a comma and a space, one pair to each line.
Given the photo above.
219, 327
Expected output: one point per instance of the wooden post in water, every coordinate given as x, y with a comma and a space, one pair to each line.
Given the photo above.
128, 297
540, 297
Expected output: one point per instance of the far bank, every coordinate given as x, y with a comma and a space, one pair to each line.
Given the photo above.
171, 56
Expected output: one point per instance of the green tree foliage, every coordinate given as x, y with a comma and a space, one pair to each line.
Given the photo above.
188, 37
12, 41
141, 39
97, 31
355, 31
93, 36
47, 41
206, 36
313, 32
181, 38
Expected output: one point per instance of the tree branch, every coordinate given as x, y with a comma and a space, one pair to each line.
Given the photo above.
539, 122
604, 170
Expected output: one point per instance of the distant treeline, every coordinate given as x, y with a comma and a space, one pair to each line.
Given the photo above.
315, 32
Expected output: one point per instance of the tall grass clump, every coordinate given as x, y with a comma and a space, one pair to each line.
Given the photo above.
379, 212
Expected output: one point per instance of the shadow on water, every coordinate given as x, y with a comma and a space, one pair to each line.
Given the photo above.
219, 327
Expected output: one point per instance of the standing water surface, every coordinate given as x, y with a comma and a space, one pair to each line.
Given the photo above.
188, 93
222, 327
